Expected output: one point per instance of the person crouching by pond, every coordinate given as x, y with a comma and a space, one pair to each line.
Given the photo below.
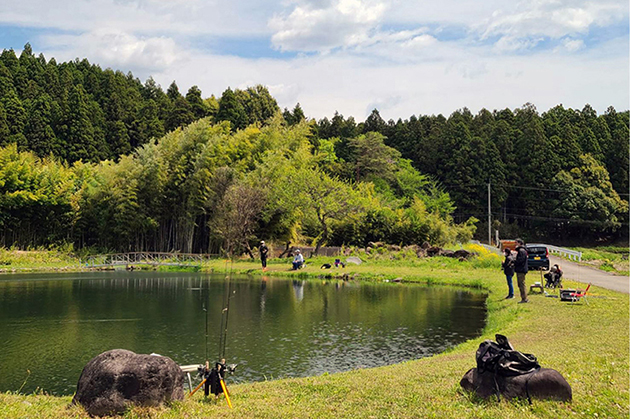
298, 260
520, 267
264, 250
508, 270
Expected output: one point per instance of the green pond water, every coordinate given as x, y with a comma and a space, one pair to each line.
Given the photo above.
53, 324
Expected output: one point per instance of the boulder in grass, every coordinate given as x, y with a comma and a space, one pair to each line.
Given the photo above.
433, 251
462, 254
118, 379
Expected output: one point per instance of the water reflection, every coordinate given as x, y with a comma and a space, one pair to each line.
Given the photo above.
298, 289
53, 324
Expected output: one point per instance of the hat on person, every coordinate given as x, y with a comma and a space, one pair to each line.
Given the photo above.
297, 251
262, 242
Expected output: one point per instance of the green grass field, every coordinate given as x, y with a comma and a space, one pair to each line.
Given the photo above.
587, 344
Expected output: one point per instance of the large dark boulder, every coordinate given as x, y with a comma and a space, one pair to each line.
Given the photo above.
117, 379
546, 383
433, 251
462, 254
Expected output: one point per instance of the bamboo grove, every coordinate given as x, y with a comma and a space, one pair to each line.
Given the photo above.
98, 159
205, 188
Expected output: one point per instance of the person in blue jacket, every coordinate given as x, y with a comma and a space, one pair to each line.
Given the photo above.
508, 270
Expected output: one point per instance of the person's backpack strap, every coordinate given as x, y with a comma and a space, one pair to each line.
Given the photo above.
529, 397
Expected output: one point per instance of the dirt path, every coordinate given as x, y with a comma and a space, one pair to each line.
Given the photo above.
587, 274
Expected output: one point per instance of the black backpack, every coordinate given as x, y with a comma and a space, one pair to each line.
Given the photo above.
500, 358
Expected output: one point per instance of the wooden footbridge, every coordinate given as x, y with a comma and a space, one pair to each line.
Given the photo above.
132, 259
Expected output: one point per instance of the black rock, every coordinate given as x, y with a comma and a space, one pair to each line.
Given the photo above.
433, 251
114, 380
461, 253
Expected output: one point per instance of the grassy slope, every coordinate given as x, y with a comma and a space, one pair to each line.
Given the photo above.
588, 344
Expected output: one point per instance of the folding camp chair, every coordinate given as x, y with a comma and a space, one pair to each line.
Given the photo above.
575, 296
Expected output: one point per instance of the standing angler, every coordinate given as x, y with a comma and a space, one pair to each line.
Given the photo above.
263, 254
520, 267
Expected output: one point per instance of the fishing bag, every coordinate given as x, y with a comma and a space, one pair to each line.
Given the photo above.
500, 358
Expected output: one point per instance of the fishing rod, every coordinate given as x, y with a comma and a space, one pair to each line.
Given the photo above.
225, 314
220, 368
205, 308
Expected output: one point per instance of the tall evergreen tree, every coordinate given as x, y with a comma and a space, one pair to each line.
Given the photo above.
180, 116
230, 109
374, 122
197, 105
80, 139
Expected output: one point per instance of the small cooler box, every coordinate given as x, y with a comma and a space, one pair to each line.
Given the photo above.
565, 294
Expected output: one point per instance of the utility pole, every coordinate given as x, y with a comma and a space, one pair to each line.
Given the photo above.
489, 217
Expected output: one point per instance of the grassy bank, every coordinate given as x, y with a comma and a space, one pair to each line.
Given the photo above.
49, 260
588, 344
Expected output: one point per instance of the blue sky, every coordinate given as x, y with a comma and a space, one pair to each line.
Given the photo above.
404, 57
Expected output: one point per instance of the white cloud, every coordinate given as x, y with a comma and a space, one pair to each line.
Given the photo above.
530, 20
117, 49
420, 41
572, 45
513, 43
353, 86
321, 27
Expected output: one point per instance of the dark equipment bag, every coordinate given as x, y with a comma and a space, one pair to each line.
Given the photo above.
500, 358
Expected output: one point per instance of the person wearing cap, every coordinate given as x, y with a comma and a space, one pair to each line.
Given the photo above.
264, 250
521, 268
298, 260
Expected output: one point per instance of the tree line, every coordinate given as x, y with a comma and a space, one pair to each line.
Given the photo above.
78, 111
560, 175
97, 158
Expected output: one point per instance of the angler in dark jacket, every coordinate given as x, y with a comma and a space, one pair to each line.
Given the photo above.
264, 251
520, 267
508, 270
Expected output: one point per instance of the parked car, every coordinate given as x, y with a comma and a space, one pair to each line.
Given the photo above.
537, 257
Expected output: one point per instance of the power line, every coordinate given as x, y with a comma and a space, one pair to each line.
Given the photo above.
529, 217
534, 217
505, 185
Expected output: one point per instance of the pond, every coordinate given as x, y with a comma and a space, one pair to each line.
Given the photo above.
53, 324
